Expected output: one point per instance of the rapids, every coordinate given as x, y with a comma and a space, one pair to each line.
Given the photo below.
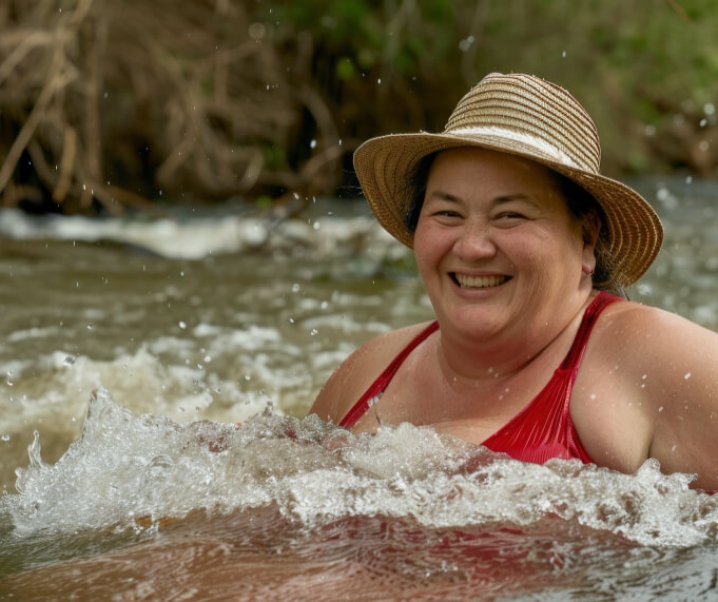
131, 349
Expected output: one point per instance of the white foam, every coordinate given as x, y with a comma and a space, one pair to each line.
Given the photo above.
126, 466
196, 238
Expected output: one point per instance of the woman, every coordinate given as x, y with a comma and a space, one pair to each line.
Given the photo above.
523, 248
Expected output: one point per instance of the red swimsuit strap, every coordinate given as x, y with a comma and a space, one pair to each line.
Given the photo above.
380, 384
575, 354
543, 429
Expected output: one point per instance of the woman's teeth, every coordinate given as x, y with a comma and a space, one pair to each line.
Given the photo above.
479, 281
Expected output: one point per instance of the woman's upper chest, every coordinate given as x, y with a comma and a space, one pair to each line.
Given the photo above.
424, 392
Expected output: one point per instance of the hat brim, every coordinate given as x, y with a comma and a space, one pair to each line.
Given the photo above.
634, 233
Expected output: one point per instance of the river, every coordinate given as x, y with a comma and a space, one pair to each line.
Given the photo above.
154, 444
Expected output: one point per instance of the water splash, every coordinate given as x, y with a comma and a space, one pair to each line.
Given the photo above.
127, 471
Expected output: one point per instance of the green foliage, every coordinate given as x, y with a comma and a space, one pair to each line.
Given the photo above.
632, 63
345, 69
263, 202
264, 97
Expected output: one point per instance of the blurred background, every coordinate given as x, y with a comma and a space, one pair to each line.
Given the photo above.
110, 105
150, 151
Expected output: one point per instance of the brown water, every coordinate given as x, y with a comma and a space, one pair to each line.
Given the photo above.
221, 319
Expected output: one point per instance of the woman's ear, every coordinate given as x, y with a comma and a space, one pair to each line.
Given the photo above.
590, 229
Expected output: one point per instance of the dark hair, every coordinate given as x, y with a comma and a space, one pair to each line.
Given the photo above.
581, 204
416, 187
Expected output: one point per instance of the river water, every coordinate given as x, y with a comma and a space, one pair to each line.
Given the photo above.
130, 349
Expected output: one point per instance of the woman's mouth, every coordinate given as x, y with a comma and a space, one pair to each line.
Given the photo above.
465, 281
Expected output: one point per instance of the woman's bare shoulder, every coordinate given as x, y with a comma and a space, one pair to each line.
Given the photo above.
358, 371
646, 389
666, 368
633, 327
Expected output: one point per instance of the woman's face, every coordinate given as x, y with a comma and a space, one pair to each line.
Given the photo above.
497, 248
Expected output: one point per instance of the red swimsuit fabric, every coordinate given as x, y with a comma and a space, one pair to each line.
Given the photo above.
543, 429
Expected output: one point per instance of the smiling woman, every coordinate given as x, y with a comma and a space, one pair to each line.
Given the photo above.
524, 249
498, 219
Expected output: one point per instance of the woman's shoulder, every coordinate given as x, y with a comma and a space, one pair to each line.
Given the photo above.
642, 342
360, 369
668, 367
632, 322
642, 364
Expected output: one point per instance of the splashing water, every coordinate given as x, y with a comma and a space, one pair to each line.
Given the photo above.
406, 508
407, 502
126, 466
147, 507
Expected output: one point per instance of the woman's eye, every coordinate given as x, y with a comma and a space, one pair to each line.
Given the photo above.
510, 215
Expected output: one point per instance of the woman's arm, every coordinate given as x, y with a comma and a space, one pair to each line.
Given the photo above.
666, 372
685, 398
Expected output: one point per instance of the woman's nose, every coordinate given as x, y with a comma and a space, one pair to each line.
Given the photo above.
474, 241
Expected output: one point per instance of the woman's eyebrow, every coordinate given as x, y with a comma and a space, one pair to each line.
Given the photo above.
443, 196
519, 196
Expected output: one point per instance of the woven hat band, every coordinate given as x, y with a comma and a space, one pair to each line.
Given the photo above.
533, 110
542, 146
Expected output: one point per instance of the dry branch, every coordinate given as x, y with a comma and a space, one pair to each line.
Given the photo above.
116, 102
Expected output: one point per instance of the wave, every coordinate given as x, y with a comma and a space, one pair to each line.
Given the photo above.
128, 471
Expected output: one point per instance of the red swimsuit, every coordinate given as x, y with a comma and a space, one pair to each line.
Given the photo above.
543, 429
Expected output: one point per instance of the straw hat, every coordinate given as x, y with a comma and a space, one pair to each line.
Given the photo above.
532, 118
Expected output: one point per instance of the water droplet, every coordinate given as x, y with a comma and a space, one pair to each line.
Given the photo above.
313, 332
183, 325
687, 375
5, 437
466, 43
313, 144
